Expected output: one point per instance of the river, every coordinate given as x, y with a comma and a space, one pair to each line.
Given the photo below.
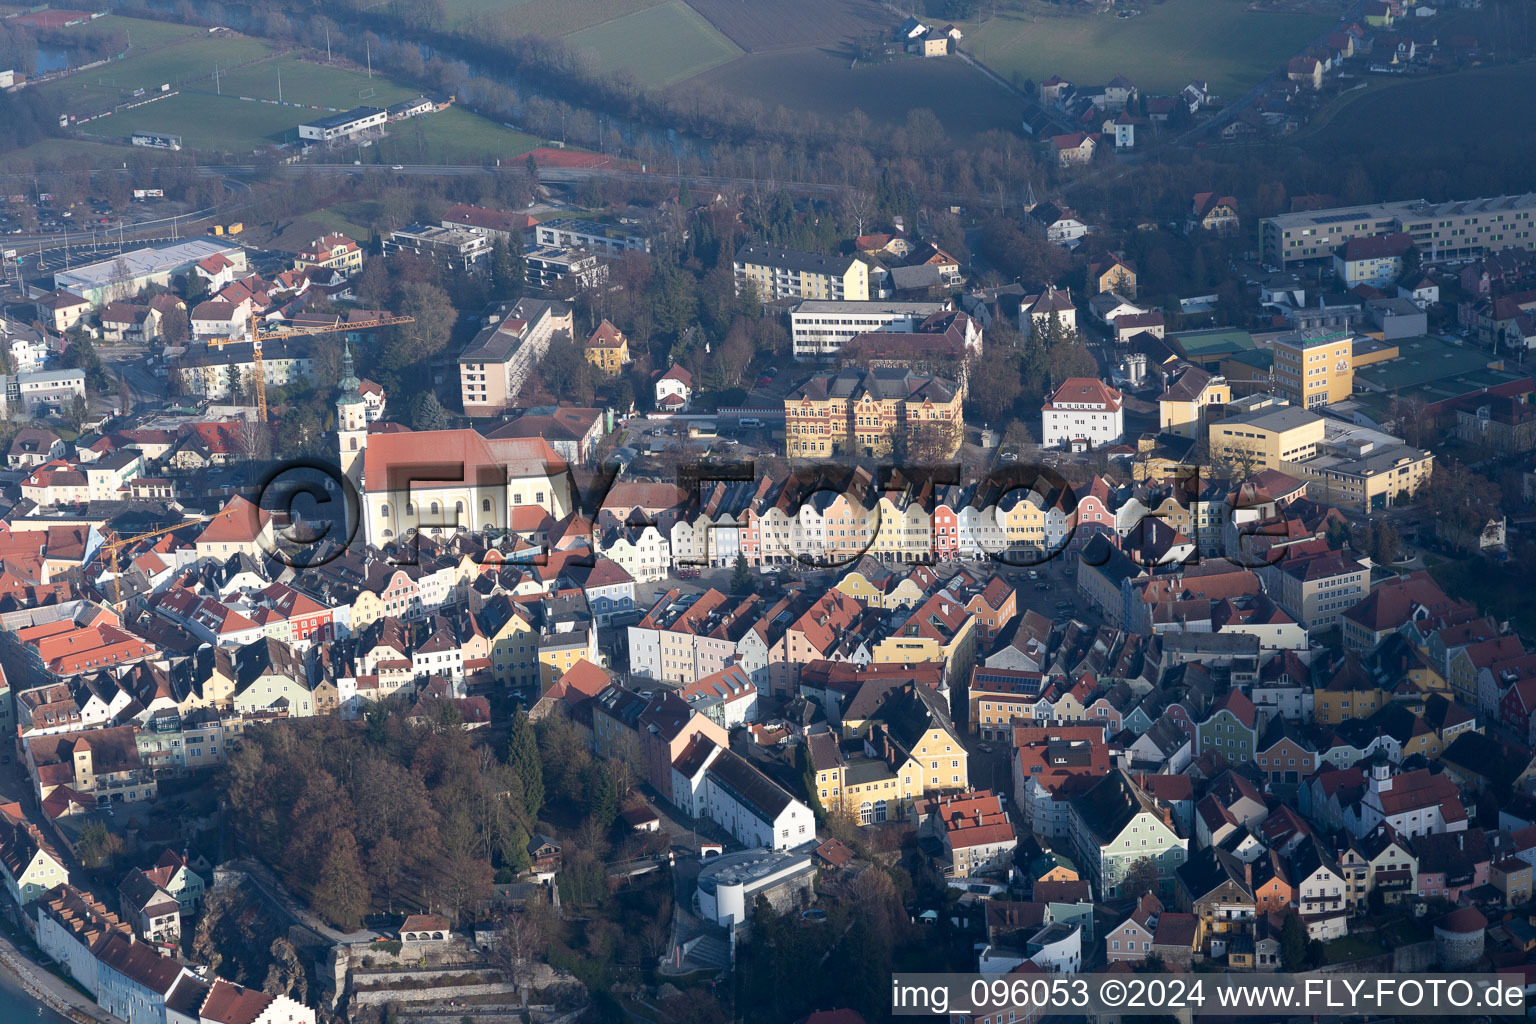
16, 1007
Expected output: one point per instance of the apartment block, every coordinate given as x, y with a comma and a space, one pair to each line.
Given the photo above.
792, 274
548, 266
1450, 230
596, 236
492, 369
456, 248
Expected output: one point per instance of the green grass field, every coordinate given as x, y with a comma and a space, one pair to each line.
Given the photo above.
462, 12
143, 32
313, 84
1160, 50
204, 121
452, 136
56, 151
549, 18
208, 121
351, 219
187, 63
658, 46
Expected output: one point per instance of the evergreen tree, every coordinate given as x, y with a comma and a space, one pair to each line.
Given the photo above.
429, 413
523, 756
1055, 334
808, 782
509, 270
517, 857
1293, 943
604, 796
741, 575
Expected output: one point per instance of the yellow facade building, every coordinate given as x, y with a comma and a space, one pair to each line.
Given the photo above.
790, 273
1183, 407
608, 349
1265, 435
1314, 367
873, 413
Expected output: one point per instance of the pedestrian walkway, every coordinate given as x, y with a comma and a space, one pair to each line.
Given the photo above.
50, 990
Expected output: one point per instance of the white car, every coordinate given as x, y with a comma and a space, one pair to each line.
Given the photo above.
397, 167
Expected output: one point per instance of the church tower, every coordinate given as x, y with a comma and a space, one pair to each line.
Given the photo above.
351, 421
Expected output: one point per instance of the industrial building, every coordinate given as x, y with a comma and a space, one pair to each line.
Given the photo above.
128, 274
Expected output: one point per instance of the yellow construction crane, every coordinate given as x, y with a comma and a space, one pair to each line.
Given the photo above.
256, 337
114, 544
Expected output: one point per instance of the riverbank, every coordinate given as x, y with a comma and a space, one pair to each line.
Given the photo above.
28, 992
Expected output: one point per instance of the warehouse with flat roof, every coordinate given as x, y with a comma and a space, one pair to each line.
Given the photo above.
128, 274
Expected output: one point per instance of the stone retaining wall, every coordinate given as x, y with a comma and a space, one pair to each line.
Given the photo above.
436, 994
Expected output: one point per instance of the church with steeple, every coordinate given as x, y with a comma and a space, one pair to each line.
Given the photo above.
351, 420
440, 481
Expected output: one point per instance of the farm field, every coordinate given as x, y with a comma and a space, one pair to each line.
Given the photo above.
657, 46
792, 24
310, 84
1161, 50
820, 82
549, 18
189, 62
1467, 110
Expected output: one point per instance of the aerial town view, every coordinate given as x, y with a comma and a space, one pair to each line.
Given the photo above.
767, 511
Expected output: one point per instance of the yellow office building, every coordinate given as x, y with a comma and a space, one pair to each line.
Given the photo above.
1265, 435
1314, 367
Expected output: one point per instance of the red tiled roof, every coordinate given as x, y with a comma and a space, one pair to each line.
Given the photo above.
239, 522
1085, 390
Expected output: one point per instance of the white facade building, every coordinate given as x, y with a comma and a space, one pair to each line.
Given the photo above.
753, 808
820, 328
1082, 409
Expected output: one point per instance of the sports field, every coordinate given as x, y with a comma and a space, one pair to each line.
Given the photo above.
657, 46
311, 84
1161, 50
190, 62
204, 121
452, 136
212, 115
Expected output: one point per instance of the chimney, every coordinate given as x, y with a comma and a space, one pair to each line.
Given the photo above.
1248, 875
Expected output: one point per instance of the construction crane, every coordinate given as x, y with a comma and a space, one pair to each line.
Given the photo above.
114, 544
256, 337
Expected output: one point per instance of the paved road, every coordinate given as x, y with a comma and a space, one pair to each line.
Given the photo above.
574, 175
153, 229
